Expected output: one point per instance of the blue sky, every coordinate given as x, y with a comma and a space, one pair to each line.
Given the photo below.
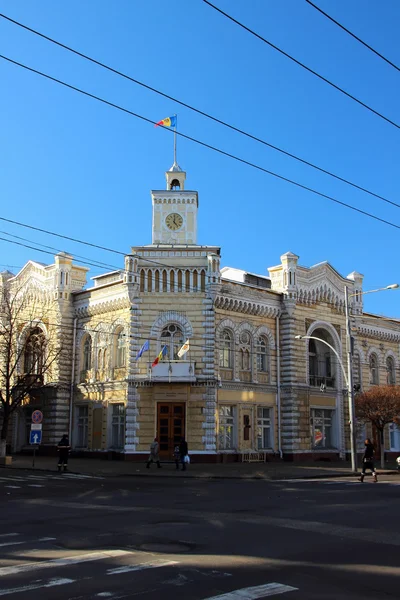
72, 165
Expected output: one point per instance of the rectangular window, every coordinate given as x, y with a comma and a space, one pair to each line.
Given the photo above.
394, 433
264, 431
227, 423
118, 426
322, 428
82, 419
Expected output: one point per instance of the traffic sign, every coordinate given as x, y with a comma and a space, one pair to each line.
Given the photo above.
36, 427
37, 416
35, 437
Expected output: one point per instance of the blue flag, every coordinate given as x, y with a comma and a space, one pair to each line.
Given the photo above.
144, 348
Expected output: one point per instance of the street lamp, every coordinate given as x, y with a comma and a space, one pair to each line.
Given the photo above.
349, 377
350, 384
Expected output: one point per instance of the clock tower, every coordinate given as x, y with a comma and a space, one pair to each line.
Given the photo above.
174, 211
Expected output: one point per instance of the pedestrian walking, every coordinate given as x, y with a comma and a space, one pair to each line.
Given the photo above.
177, 456
154, 456
63, 449
183, 453
368, 460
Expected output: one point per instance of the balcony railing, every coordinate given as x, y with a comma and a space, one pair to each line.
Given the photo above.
318, 380
172, 371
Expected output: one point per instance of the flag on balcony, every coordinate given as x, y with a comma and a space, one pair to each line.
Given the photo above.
144, 348
163, 352
184, 349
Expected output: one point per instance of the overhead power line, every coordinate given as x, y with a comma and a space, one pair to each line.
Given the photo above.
203, 144
336, 87
353, 35
201, 112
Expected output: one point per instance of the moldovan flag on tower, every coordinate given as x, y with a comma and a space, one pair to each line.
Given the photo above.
184, 349
160, 356
168, 122
144, 348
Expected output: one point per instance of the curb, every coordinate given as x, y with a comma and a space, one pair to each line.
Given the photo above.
205, 476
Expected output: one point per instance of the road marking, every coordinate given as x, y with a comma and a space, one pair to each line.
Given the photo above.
62, 562
258, 591
13, 487
11, 544
44, 539
8, 534
35, 485
29, 588
154, 564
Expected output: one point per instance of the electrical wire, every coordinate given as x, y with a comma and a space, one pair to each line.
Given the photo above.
204, 144
201, 112
389, 62
300, 64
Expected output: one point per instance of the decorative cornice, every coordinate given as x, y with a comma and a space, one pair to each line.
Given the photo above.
379, 333
98, 308
246, 307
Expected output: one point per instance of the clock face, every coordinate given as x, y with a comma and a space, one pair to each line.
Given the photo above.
174, 221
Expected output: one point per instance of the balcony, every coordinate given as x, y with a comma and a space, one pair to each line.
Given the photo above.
173, 371
317, 381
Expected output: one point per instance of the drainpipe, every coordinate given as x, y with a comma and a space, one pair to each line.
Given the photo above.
71, 395
278, 386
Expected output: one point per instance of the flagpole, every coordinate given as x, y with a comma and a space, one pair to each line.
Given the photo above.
175, 141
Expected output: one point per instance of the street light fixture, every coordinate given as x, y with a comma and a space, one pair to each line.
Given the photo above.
349, 377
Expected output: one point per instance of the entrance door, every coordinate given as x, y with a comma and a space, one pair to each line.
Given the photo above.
170, 426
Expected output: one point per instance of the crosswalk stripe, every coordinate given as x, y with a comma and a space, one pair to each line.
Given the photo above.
62, 562
154, 564
35, 586
258, 591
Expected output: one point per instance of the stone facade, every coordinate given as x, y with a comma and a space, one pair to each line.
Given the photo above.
247, 386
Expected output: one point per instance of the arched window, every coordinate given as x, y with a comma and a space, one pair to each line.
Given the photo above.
322, 361
142, 280
172, 281
373, 370
187, 281
157, 281
164, 280
245, 349
149, 281
390, 372
100, 359
262, 355
357, 371
226, 349
172, 337
87, 354
195, 281
203, 280
34, 352
120, 350
175, 185
179, 280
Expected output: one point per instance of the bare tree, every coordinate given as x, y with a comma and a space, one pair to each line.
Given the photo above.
29, 349
379, 405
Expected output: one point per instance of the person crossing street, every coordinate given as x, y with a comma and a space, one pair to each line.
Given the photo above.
63, 449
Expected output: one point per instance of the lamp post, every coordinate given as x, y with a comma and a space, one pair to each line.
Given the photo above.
349, 377
350, 384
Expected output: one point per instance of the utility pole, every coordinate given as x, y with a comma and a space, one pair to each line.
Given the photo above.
350, 386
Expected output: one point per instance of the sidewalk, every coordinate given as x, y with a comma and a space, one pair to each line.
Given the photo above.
266, 471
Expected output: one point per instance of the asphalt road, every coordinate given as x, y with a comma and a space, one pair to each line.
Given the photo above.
71, 537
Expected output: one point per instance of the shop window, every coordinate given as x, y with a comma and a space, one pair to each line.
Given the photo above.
82, 427
264, 430
227, 427
118, 426
321, 420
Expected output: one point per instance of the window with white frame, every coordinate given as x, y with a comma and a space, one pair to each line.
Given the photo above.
394, 436
227, 427
322, 359
226, 349
172, 337
373, 370
262, 354
120, 350
390, 372
264, 428
322, 434
118, 426
82, 426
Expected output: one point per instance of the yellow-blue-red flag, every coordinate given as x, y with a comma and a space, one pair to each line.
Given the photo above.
168, 122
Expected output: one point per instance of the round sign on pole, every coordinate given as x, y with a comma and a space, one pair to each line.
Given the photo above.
37, 416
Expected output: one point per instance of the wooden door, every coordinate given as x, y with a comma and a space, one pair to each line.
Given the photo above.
170, 426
